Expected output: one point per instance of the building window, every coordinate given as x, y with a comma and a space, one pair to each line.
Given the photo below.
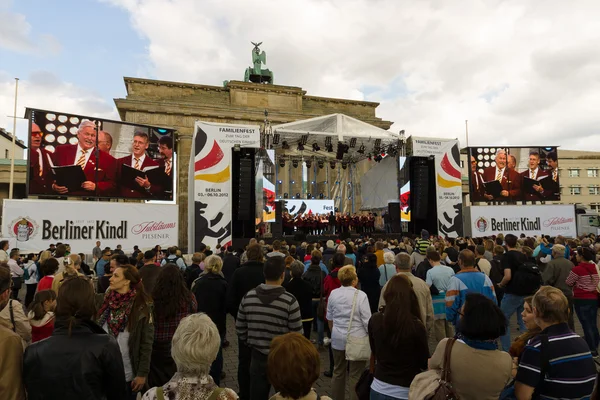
594, 189
592, 173
575, 190
595, 206
573, 173
5, 153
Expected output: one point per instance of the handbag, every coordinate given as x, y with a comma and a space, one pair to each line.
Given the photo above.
357, 348
433, 384
363, 385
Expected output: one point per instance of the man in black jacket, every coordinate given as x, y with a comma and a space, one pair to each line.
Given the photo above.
244, 279
193, 271
230, 263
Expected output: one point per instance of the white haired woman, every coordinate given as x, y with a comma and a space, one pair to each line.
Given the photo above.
387, 269
195, 346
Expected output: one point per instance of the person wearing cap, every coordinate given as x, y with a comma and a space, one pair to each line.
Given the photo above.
149, 271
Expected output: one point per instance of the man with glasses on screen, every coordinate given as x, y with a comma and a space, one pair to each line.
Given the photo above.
508, 178
142, 187
40, 167
94, 164
553, 193
536, 173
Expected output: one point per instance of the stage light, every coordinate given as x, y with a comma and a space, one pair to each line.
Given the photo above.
297, 195
321, 164
300, 147
321, 196
353, 143
332, 164
361, 149
308, 195
161, 130
281, 162
313, 182
293, 182
308, 163
285, 195
315, 146
344, 165
295, 163
279, 181
276, 138
285, 145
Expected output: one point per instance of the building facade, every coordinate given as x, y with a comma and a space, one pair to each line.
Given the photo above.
180, 105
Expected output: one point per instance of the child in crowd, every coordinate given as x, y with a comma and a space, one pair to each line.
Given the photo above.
41, 316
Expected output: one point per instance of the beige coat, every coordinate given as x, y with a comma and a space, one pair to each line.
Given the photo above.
476, 374
11, 365
423, 296
22, 326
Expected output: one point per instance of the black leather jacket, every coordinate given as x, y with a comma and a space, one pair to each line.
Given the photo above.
86, 365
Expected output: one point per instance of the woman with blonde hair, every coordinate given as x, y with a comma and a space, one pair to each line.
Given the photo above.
126, 315
210, 290
344, 322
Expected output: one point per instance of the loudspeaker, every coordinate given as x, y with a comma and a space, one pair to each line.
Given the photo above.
243, 200
422, 201
419, 188
394, 211
277, 226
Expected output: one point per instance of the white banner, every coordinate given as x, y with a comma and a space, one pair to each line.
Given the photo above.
448, 181
210, 178
550, 220
300, 207
35, 224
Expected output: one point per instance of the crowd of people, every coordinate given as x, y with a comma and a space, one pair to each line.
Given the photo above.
395, 314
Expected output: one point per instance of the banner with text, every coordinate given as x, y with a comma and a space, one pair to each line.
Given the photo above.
82, 223
210, 179
300, 207
448, 181
550, 220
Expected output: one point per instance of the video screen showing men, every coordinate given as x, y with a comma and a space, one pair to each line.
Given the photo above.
513, 174
73, 155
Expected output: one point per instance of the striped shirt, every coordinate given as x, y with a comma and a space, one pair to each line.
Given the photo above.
467, 280
266, 312
421, 246
571, 373
584, 279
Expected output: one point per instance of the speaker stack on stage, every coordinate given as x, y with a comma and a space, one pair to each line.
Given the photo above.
423, 204
243, 193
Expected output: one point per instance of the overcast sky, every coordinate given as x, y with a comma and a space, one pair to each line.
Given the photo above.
521, 72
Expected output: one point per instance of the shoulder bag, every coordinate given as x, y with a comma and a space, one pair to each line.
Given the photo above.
357, 348
435, 384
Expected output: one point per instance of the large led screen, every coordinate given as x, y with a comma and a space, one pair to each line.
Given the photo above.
505, 174
75, 155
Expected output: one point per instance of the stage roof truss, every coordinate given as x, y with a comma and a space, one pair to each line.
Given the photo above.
332, 130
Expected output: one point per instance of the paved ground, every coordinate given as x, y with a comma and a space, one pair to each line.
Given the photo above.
323, 385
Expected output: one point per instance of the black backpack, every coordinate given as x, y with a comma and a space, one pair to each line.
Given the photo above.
496, 272
526, 280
